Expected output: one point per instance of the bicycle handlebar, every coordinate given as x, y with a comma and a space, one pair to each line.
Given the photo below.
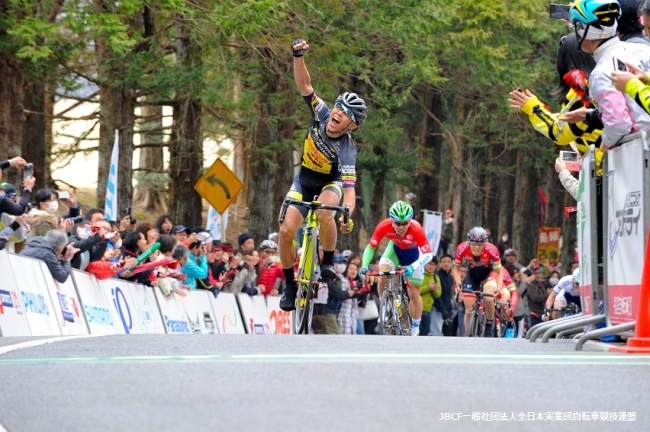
386, 273
314, 205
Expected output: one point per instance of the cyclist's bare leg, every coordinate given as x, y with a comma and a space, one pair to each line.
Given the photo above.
489, 287
288, 229
326, 219
415, 307
503, 304
468, 301
382, 281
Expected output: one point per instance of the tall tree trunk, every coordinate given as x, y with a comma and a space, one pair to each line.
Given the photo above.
265, 134
491, 197
474, 214
185, 145
284, 160
12, 116
377, 210
554, 192
116, 112
506, 195
33, 143
526, 215
49, 137
429, 150
151, 158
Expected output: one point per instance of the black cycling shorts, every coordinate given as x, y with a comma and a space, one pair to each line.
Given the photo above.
306, 186
475, 278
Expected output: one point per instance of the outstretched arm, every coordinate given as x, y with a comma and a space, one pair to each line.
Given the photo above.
300, 73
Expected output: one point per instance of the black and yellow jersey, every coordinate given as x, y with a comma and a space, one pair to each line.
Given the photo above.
330, 159
562, 132
639, 92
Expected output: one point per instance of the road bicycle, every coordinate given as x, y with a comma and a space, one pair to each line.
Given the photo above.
308, 274
394, 316
477, 319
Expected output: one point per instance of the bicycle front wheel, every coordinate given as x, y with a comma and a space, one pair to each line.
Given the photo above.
306, 280
406, 322
387, 319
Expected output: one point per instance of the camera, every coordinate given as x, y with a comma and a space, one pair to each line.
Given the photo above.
76, 220
127, 212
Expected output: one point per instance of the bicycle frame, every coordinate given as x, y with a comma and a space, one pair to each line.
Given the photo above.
306, 277
477, 318
396, 319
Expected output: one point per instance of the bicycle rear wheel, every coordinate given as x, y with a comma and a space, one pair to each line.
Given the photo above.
306, 280
387, 319
470, 329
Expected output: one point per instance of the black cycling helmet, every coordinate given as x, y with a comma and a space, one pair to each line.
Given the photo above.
477, 235
355, 104
628, 22
509, 252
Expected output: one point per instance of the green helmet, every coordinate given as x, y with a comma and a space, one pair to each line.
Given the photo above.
400, 212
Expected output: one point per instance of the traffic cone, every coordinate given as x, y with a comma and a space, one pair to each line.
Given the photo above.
640, 343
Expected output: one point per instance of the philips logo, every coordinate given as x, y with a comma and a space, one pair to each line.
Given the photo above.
35, 303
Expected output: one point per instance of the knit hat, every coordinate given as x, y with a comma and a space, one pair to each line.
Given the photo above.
243, 237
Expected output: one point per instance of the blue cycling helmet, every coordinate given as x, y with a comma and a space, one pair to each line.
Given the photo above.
595, 19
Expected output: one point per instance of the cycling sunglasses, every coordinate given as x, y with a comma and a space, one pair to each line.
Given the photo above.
401, 224
345, 110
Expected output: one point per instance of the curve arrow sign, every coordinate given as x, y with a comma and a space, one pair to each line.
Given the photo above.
215, 181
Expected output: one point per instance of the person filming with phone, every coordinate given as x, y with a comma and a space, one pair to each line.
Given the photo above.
8, 205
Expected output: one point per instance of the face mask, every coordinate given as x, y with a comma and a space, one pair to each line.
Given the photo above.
504, 239
82, 234
52, 207
554, 281
274, 258
340, 268
118, 244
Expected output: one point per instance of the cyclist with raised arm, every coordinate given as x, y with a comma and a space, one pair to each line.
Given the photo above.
481, 258
327, 171
566, 291
408, 247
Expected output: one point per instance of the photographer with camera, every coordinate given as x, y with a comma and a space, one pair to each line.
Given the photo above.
10, 206
54, 250
6, 220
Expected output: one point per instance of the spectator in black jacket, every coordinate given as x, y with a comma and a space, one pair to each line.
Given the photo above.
53, 251
444, 304
91, 240
15, 209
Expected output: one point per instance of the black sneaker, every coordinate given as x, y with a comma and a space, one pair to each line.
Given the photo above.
489, 330
327, 271
288, 299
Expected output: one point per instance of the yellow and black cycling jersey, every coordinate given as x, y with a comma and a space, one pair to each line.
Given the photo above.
639, 92
328, 158
562, 132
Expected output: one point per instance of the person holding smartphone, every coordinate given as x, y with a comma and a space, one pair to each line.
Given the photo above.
9, 206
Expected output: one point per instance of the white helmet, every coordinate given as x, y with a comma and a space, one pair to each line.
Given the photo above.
268, 244
576, 276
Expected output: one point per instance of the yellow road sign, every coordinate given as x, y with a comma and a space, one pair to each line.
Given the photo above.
219, 186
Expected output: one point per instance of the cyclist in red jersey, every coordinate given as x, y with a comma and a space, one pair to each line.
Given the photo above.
408, 247
481, 258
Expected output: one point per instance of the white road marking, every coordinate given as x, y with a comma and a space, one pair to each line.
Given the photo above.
35, 343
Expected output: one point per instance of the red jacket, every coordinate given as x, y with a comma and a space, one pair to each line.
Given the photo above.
268, 276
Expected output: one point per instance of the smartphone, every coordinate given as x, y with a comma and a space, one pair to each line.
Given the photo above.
28, 170
570, 159
558, 11
63, 195
620, 66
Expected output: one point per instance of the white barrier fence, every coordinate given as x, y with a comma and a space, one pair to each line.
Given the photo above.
32, 303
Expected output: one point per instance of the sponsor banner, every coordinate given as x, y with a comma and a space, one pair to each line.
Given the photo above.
226, 312
13, 320
254, 313
585, 225
173, 313
122, 305
199, 312
548, 244
626, 233
95, 304
67, 306
34, 296
144, 301
432, 225
280, 322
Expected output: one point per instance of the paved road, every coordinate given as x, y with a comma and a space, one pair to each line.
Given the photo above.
315, 383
